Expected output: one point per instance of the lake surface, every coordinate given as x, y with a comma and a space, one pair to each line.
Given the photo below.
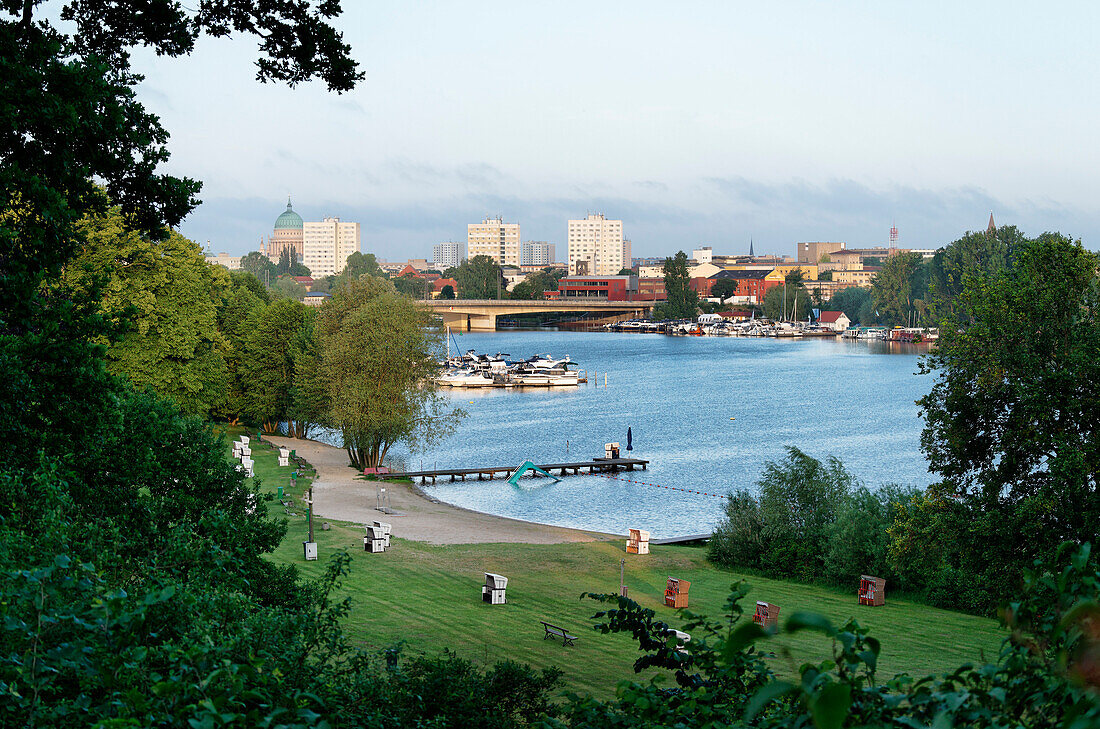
707, 412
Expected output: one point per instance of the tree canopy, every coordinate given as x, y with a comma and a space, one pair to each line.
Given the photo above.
159, 292
535, 285
377, 367
682, 300
1012, 423
479, 277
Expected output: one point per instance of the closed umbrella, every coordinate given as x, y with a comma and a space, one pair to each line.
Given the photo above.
628, 438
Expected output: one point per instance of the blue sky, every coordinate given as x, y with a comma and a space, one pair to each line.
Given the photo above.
696, 124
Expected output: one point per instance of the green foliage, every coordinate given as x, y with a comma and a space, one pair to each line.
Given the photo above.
260, 266
412, 286
535, 285
723, 288
626, 272
794, 304
851, 301
813, 521
1011, 421
682, 299
892, 289
447, 292
285, 287
359, 264
288, 267
267, 363
377, 367
975, 254
479, 277
160, 292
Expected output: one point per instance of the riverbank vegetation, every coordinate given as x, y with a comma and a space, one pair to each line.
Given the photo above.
1011, 426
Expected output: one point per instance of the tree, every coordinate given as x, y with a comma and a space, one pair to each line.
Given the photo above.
974, 254
260, 266
796, 303
378, 364
850, 301
160, 292
535, 285
238, 314
1012, 422
479, 277
286, 287
411, 285
267, 364
447, 292
288, 266
724, 288
362, 263
892, 288
681, 298
626, 272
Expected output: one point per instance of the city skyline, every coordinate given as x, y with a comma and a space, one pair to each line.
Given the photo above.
778, 124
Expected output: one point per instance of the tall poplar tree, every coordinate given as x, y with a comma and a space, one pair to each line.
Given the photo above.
682, 300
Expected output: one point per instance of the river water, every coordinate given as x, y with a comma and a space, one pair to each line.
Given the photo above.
707, 412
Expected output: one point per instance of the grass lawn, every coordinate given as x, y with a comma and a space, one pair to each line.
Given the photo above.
430, 597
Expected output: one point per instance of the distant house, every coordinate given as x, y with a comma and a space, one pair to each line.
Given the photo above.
439, 283
408, 271
306, 281
314, 298
838, 321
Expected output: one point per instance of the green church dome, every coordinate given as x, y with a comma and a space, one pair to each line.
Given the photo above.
289, 220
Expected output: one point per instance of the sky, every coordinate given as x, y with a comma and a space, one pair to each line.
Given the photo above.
702, 123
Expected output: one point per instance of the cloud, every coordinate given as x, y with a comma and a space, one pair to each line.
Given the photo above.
420, 205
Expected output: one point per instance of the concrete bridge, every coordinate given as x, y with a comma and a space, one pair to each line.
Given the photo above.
481, 314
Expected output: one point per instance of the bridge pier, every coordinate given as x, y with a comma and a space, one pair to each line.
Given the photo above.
461, 321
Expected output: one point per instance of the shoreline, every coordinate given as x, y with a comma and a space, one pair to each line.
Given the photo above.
341, 493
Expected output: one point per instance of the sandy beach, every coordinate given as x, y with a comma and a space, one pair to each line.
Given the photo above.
339, 494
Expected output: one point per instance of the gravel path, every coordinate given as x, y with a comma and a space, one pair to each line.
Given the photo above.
339, 494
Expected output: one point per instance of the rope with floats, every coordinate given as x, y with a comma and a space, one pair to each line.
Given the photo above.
661, 486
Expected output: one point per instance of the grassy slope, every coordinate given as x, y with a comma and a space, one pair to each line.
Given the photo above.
430, 597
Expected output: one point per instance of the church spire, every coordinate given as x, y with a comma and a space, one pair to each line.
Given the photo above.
992, 228
751, 255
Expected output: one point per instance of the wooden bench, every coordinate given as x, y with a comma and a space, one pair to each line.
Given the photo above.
553, 630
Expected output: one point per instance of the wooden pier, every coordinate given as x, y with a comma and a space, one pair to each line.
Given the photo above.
596, 465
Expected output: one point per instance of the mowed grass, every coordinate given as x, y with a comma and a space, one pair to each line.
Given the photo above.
429, 596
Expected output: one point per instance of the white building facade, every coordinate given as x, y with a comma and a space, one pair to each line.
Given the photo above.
233, 263
450, 254
327, 245
494, 238
597, 247
536, 253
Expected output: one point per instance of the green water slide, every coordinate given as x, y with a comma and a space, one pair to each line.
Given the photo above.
528, 466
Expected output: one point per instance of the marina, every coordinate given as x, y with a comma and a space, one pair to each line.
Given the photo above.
474, 370
717, 326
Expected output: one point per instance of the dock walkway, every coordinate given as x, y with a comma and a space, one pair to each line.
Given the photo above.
596, 465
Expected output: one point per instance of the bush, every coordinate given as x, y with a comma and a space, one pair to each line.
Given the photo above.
739, 539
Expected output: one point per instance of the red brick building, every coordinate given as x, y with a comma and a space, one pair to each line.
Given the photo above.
753, 284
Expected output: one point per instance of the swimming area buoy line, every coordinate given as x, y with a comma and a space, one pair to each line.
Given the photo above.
661, 486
